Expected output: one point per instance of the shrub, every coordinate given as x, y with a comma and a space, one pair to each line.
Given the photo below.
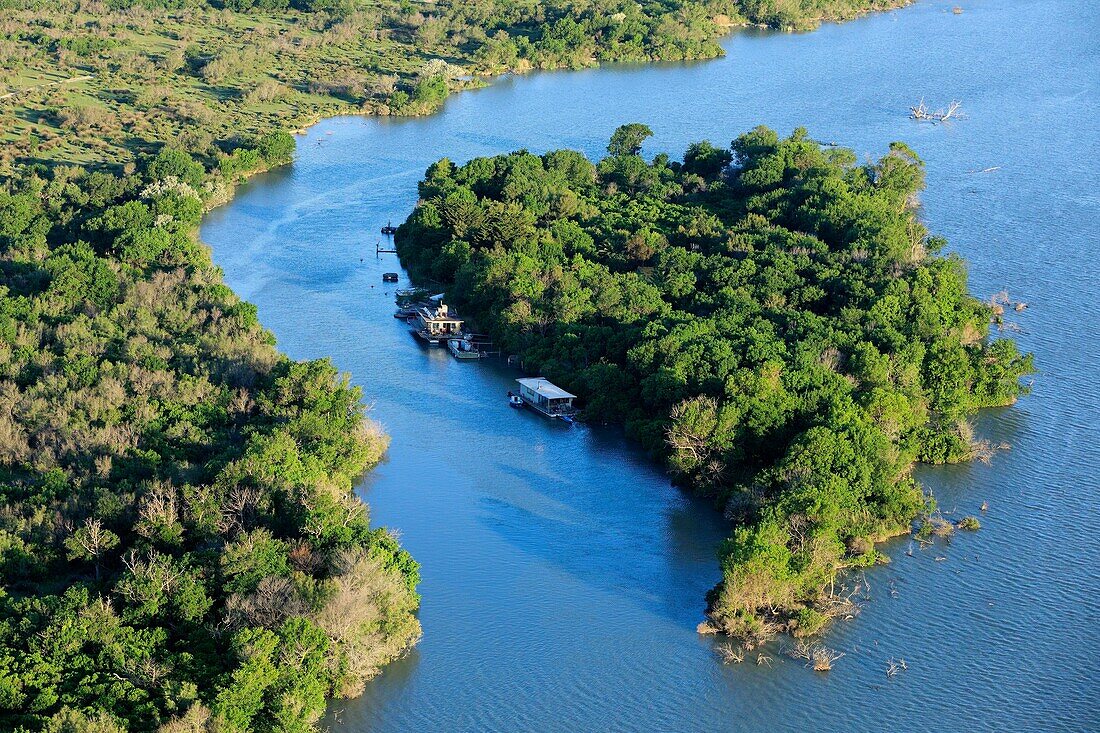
808, 622
970, 524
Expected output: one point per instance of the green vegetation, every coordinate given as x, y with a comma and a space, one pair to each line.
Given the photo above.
178, 536
106, 82
180, 549
970, 524
780, 330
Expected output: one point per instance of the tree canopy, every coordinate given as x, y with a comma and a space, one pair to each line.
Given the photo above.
770, 318
628, 139
179, 545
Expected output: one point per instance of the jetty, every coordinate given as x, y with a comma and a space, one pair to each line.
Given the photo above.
463, 349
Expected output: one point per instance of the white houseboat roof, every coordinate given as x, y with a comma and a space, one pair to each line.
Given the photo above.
440, 314
547, 389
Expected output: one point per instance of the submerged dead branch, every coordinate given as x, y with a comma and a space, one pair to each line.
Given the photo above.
922, 112
730, 653
843, 603
816, 655
894, 666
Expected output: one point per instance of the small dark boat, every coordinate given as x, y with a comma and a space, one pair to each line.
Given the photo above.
389, 277
389, 228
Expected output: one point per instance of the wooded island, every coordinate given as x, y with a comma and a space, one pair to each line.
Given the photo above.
771, 319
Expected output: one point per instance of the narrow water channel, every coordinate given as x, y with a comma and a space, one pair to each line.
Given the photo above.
563, 575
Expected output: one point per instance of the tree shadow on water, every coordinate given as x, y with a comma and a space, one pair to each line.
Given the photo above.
620, 533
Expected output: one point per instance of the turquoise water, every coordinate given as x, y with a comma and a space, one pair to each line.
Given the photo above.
563, 575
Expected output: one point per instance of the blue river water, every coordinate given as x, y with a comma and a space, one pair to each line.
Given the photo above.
563, 576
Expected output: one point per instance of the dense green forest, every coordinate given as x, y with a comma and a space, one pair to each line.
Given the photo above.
103, 82
178, 537
771, 318
180, 549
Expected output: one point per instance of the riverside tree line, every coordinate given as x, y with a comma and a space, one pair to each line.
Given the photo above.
95, 82
179, 545
770, 318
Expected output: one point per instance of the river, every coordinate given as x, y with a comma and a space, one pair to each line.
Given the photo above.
562, 575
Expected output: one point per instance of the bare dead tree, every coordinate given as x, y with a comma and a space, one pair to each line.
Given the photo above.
274, 600
153, 575
158, 508
894, 666
817, 656
923, 112
239, 507
90, 542
730, 653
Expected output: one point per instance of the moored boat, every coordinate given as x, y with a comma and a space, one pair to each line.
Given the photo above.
437, 325
547, 398
462, 349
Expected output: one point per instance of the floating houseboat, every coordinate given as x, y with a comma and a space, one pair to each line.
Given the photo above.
547, 398
463, 349
390, 277
437, 325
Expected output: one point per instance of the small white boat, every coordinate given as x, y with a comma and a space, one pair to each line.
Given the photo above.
463, 349
515, 400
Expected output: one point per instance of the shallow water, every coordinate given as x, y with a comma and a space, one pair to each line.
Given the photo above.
563, 576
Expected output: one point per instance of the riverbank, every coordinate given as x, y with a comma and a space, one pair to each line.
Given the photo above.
190, 486
606, 584
177, 437
199, 76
